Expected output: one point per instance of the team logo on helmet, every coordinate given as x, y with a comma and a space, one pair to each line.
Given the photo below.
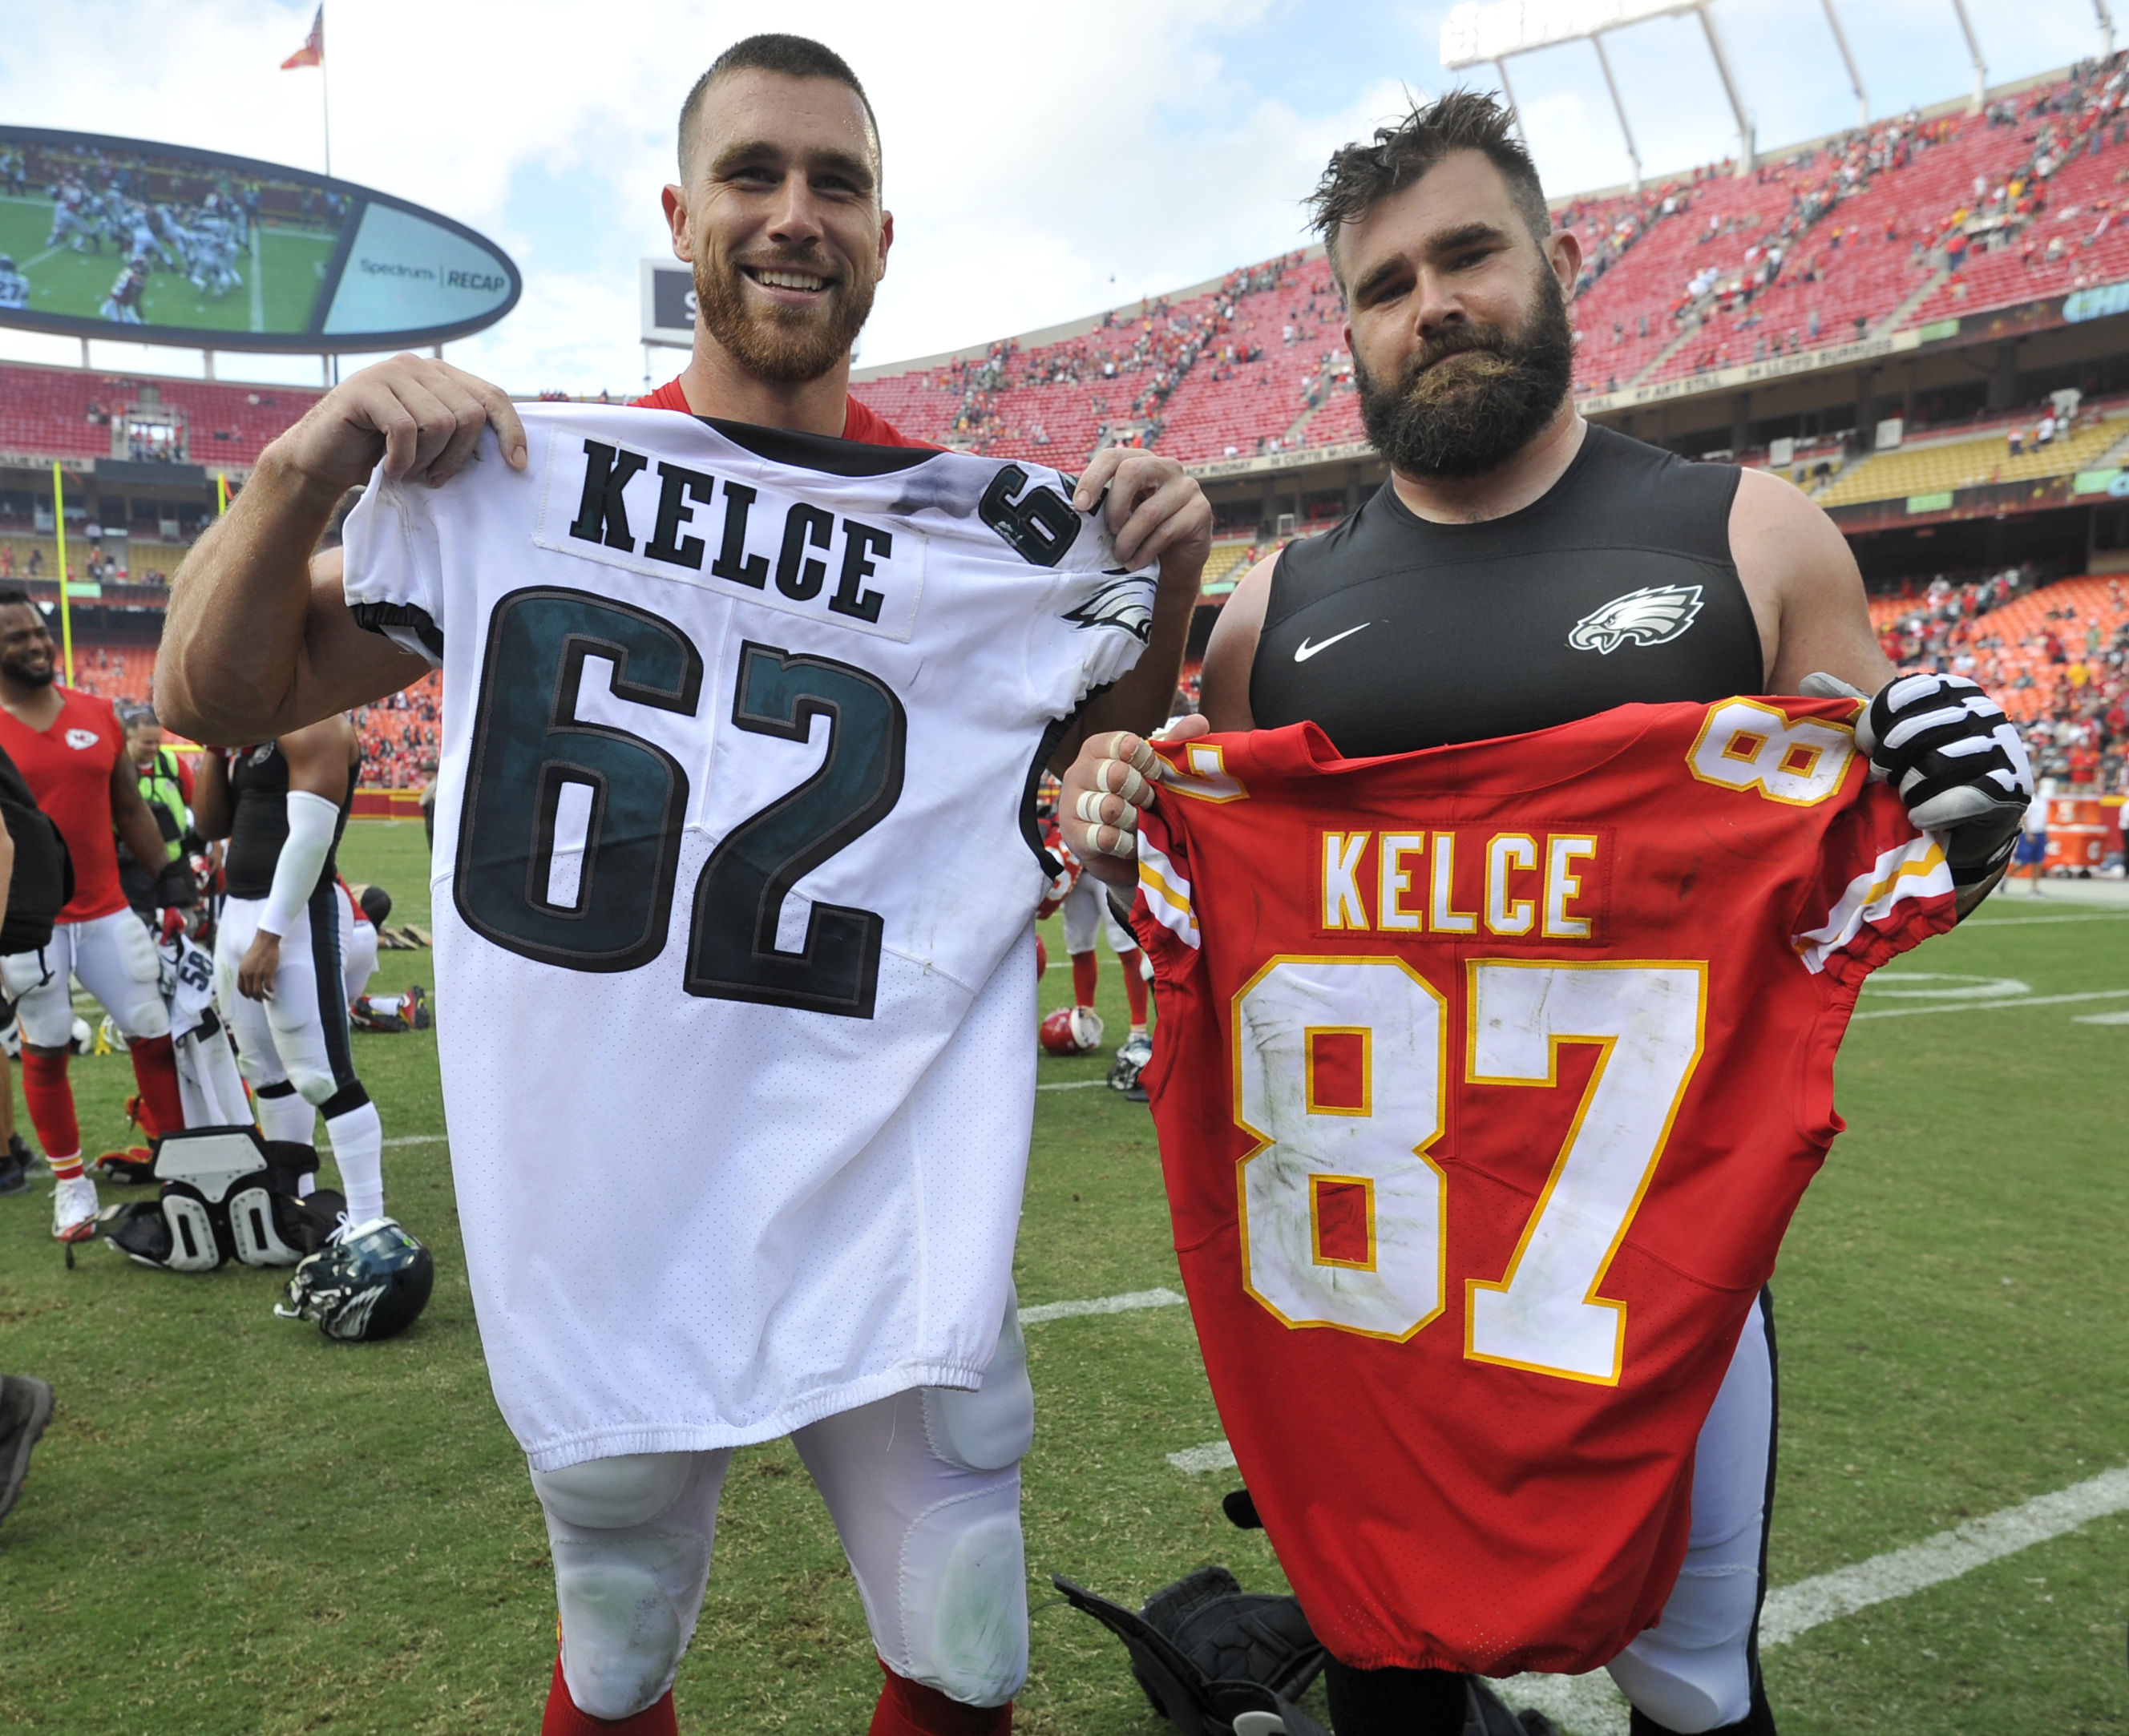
1653, 615
1125, 602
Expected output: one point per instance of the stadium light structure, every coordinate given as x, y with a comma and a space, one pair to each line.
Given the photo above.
1847, 59
2105, 30
1980, 66
1475, 34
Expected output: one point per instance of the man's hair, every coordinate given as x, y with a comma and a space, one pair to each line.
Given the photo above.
794, 57
1360, 177
12, 595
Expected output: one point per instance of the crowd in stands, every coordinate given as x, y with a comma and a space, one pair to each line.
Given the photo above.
399, 734
1263, 349
1888, 225
63, 413
2056, 655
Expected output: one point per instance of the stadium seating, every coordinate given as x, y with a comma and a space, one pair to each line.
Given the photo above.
1966, 464
1224, 565
2015, 646
46, 412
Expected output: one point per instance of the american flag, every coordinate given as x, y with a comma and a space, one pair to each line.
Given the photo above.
313, 53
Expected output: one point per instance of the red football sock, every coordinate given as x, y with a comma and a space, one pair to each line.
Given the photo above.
909, 1708
155, 1068
1134, 985
563, 1719
1085, 969
50, 1103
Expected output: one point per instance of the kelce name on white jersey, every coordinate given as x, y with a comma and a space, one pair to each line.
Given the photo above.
860, 575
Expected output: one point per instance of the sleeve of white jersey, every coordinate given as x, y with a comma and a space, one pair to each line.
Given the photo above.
392, 571
1093, 625
1882, 886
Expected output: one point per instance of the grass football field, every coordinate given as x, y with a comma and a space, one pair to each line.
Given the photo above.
281, 274
235, 1526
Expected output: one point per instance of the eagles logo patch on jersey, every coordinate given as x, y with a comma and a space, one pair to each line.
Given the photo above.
1127, 602
1653, 615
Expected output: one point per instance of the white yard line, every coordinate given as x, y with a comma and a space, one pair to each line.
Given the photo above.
1129, 1302
1073, 1085
1212, 1456
1590, 1706
421, 1138
1978, 1007
2102, 1019
2028, 921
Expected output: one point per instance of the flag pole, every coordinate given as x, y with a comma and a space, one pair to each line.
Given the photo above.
324, 90
66, 614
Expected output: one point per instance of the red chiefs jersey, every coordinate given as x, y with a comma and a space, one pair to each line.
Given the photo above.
866, 426
69, 768
1488, 1080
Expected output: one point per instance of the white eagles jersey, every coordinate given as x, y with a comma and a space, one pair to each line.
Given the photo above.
734, 870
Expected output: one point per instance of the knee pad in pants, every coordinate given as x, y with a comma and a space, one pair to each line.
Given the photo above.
925, 1490
631, 1539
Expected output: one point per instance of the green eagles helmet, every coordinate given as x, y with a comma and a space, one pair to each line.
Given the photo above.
370, 1283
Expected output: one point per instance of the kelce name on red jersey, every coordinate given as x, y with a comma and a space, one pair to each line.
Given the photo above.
1544, 886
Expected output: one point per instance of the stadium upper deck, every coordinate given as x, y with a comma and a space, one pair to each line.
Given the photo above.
1891, 228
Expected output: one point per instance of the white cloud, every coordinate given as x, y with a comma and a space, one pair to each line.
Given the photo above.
1041, 165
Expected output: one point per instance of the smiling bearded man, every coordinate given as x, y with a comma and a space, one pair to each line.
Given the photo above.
671, 1258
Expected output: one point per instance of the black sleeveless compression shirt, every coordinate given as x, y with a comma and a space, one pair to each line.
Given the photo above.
1614, 587
259, 821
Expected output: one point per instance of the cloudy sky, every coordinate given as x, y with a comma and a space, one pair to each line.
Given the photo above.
1042, 162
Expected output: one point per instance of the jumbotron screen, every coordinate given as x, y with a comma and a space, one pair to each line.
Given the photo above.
106, 237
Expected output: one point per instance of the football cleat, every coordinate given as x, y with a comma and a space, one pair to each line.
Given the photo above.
1072, 1031
371, 1282
74, 1210
14, 1162
135, 1166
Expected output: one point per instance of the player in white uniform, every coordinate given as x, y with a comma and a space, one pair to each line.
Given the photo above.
672, 801
277, 958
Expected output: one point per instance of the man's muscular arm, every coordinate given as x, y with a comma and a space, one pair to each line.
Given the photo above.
318, 756
1801, 578
1806, 595
258, 640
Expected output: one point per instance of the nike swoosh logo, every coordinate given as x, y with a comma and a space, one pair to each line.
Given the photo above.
1304, 651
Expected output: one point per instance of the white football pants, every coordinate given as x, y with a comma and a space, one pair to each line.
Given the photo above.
1087, 913
1692, 1671
924, 1488
117, 963
301, 1035
358, 951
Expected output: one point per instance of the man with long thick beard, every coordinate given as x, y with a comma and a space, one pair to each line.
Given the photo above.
871, 1274
1521, 569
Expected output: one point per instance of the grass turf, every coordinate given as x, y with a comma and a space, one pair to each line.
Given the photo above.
234, 1525
290, 265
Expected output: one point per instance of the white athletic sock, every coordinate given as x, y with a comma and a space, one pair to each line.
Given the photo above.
358, 1149
292, 1118
1138, 1030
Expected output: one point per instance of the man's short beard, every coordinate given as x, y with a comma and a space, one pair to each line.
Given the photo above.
788, 346
1466, 417
30, 677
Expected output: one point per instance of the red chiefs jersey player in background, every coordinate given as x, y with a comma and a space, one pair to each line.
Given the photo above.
72, 750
